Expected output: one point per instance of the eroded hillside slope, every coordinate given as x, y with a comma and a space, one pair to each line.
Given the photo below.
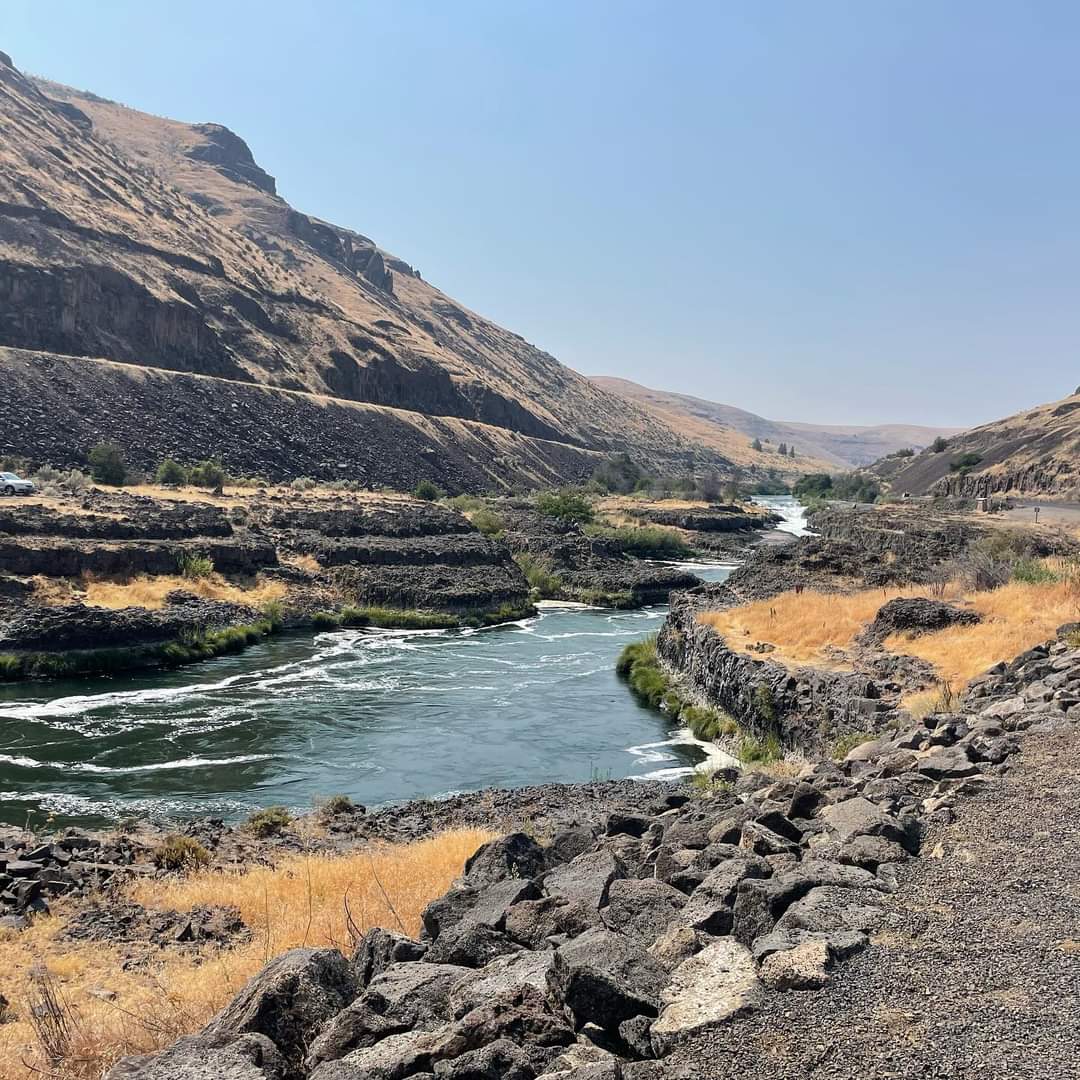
1033, 452
142, 240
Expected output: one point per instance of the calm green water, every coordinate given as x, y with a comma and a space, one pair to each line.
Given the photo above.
381, 716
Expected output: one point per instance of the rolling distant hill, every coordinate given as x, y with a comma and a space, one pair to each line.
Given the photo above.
1035, 452
730, 430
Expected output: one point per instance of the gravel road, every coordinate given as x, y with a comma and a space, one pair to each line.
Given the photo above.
976, 973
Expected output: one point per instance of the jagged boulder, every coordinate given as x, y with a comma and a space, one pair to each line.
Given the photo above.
289, 1000
201, 1057
604, 978
915, 615
708, 990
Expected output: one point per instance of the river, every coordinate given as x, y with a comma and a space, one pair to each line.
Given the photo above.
377, 715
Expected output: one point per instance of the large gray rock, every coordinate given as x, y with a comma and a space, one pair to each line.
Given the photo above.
860, 817
760, 903
405, 997
641, 908
503, 974
379, 949
830, 908
199, 1057
711, 904
289, 1000
947, 763
606, 978
585, 880
516, 855
706, 991
805, 967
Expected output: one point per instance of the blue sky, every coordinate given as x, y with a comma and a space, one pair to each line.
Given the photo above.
834, 212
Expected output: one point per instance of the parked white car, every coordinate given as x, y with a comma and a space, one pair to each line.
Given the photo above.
10, 484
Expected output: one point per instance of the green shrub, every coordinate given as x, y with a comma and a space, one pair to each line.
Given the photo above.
207, 474
1033, 572
643, 541
303, 483
540, 575
707, 723
176, 853
426, 491
269, 822
621, 599
465, 504
759, 751
337, 805
11, 667
325, 620
488, 522
403, 619
706, 785
107, 465
964, 462
273, 611
939, 445
171, 473
566, 505
765, 704
194, 565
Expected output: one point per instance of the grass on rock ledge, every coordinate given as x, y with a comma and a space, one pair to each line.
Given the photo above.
814, 628
300, 901
639, 665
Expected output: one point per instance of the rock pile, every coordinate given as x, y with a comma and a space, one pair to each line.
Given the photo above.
599, 954
34, 872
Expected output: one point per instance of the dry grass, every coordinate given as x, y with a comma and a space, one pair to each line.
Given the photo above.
815, 628
150, 592
1015, 617
804, 627
301, 901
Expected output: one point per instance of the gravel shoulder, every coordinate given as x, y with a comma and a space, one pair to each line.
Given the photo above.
976, 971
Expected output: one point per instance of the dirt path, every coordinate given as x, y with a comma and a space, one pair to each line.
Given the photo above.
975, 975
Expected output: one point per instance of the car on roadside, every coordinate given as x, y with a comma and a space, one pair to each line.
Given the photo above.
10, 484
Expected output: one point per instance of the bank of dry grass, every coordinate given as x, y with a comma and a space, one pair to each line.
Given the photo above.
804, 627
815, 628
109, 1012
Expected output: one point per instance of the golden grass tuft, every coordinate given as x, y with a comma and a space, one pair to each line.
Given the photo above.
300, 901
150, 591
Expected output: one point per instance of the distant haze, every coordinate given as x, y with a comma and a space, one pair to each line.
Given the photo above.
836, 212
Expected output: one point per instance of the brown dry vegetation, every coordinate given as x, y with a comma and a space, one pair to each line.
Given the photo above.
814, 627
150, 592
804, 627
300, 901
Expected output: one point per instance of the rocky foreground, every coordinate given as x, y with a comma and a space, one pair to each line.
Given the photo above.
827, 923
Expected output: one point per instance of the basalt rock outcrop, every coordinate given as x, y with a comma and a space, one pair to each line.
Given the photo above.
319, 554
589, 568
606, 950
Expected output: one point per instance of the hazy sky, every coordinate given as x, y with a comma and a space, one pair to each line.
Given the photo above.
851, 212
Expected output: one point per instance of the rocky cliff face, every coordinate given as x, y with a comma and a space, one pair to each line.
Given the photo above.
144, 240
1036, 452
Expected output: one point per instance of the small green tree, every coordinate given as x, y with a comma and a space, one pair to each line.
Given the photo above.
426, 491
939, 445
107, 465
568, 505
782, 449
791, 451
171, 472
756, 445
207, 474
